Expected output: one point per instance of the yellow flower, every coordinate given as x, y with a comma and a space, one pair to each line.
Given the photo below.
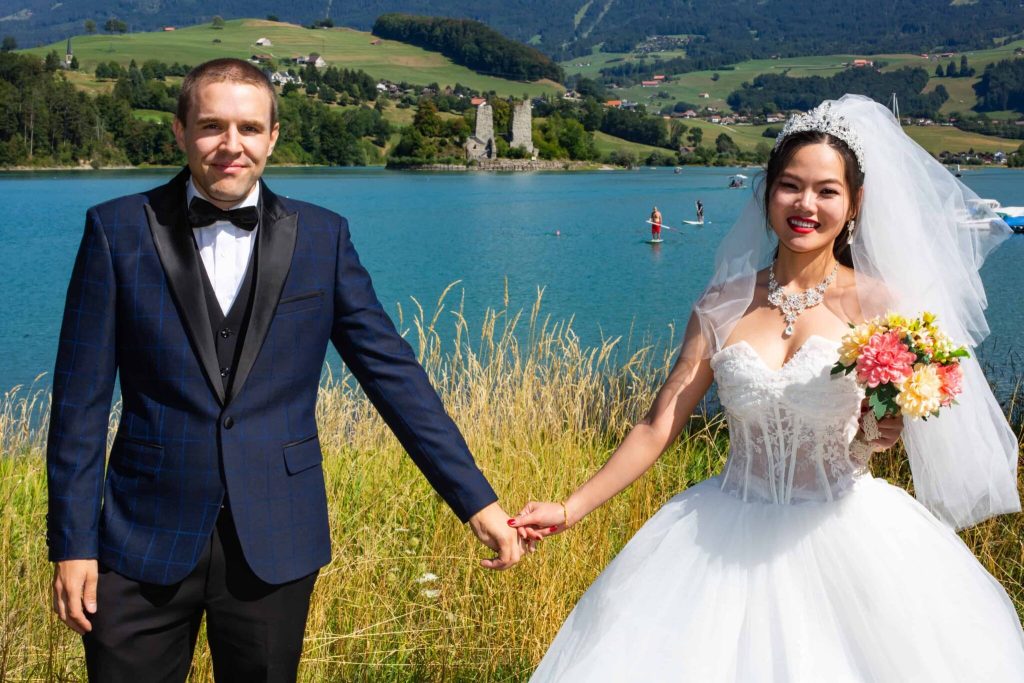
895, 320
850, 345
928, 318
921, 393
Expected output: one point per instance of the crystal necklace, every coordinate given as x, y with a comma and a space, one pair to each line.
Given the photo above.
792, 305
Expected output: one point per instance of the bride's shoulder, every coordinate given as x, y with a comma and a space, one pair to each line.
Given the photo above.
862, 296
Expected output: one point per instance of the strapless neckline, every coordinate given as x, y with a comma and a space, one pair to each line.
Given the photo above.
744, 344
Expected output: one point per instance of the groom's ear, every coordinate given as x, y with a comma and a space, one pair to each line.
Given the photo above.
274, 132
179, 133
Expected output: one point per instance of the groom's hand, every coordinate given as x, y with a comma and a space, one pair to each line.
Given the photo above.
74, 589
492, 529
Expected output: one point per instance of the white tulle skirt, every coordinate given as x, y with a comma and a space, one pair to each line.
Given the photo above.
870, 587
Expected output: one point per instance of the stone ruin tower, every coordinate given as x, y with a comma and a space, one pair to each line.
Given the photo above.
480, 145
522, 127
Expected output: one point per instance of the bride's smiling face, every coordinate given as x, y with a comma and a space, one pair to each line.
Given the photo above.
810, 201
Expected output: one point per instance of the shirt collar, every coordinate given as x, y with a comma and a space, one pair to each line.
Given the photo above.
252, 199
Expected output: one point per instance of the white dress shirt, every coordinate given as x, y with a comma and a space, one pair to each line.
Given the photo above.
225, 249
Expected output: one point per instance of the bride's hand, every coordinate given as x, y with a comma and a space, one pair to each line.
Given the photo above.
536, 521
889, 429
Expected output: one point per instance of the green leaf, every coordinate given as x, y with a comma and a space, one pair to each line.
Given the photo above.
878, 405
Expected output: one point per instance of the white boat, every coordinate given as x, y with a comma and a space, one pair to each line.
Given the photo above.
981, 213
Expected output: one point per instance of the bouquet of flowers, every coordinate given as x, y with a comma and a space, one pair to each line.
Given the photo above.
907, 366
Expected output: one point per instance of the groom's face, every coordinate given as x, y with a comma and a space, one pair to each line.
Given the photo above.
227, 139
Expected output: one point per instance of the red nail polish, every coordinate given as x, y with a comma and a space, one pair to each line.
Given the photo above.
511, 522
553, 529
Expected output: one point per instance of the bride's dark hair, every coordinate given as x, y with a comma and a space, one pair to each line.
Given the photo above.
779, 159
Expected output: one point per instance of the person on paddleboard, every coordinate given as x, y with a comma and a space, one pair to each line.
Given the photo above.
700, 211
655, 224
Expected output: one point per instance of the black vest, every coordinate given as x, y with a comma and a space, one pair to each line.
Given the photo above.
229, 330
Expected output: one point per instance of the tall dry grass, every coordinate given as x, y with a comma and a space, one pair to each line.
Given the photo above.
540, 412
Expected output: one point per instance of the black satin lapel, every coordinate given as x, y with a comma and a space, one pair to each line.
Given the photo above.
275, 245
177, 251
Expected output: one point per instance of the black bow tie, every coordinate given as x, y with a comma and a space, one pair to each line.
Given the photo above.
202, 213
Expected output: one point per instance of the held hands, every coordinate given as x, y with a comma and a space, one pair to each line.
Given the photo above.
74, 589
536, 521
491, 527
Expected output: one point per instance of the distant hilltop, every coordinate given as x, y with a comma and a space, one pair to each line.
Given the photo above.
564, 28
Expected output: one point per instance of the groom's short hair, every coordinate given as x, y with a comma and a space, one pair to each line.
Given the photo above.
220, 70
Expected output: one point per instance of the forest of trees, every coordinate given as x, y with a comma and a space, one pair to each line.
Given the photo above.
45, 121
629, 73
776, 92
471, 44
1001, 86
986, 126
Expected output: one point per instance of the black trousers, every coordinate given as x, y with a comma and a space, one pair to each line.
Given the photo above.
144, 633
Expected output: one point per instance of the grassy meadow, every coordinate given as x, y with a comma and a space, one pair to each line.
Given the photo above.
540, 413
606, 144
341, 47
688, 87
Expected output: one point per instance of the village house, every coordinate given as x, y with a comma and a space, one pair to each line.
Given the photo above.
313, 58
859, 63
282, 77
261, 58
477, 101
704, 96
168, 28
264, 42
650, 84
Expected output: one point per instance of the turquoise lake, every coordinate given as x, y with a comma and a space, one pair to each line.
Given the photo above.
418, 232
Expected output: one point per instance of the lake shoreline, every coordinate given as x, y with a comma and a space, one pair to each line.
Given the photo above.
497, 165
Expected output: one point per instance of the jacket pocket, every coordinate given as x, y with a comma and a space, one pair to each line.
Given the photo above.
138, 442
302, 455
135, 458
300, 302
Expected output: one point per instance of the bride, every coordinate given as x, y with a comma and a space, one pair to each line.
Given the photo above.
795, 564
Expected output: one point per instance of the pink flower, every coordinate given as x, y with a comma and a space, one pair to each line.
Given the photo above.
884, 359
952, 378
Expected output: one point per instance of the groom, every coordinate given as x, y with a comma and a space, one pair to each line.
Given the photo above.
215, 299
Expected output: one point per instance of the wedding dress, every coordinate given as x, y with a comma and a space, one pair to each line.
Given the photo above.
794, 565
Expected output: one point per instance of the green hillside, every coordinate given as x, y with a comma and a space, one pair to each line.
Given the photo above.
341, 47
688, 87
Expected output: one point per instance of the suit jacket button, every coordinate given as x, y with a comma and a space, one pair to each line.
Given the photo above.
224, 372
225, 333
229, 422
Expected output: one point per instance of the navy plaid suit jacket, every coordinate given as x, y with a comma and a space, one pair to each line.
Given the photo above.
135, 306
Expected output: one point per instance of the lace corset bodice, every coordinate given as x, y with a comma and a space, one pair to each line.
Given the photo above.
789, 429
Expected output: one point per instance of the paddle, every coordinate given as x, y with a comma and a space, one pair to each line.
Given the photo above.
665, 227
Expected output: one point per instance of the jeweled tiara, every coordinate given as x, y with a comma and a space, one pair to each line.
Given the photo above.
822, 119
